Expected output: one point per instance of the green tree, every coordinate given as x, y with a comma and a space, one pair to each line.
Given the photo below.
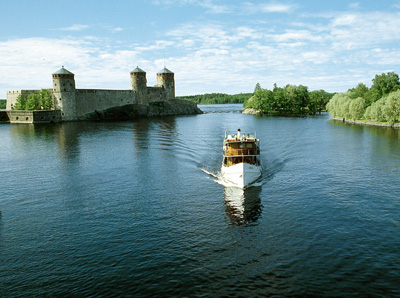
377, 110
360, 91
318, 100
391, 109
339, 105
45, 99
259, 100
32, 102
42, 100
386, 83
21, 103
356, 108
257, 87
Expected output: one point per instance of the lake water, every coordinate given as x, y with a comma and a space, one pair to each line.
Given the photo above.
136, 209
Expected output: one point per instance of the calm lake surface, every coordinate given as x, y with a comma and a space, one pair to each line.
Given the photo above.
136, 209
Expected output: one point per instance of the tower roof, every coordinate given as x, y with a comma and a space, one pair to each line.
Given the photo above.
137, 69
164, 70
62, 70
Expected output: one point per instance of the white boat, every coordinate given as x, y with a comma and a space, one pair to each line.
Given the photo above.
241, 159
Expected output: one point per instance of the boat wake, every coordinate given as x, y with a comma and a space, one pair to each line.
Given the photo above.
218, 178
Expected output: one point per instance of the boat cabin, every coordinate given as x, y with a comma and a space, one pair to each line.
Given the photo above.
241, 148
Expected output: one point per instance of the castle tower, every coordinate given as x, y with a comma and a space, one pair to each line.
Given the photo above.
139, 84
64, 94
165, 79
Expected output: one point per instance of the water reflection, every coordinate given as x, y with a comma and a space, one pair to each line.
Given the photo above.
165, 132
381, 131
243, 206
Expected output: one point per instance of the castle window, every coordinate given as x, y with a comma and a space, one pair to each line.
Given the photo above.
27, 118
16, 118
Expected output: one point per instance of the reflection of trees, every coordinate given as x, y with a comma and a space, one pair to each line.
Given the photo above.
243, 206
381, 131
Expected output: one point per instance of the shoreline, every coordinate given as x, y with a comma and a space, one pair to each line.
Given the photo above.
370, 123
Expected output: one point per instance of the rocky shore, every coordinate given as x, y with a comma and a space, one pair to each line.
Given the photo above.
153, 109
252, 112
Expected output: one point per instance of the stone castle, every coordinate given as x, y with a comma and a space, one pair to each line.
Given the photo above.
71, 104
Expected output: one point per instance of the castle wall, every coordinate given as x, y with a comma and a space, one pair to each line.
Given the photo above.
91, 100
34, 116
155, 94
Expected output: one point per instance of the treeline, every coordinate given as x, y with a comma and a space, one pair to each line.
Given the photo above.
35, 101
216, 98
289, 100
379, 103
3, 103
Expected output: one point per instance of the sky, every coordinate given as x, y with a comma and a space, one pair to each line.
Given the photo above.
222, 46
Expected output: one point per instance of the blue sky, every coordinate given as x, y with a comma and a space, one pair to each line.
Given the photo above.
211, 45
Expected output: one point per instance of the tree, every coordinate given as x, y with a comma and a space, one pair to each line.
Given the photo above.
45, 99
391, 109
21, 103
360, 91
257, 87
339, 105
318, 100
260, 100
3, 104
385, 83
32, 102
42, 100
357, 108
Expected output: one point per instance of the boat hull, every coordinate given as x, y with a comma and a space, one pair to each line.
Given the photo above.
241, 174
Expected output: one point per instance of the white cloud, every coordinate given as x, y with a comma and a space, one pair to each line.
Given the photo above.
117, 29
296, 35
75, 27
209, 5
331, 52
276, 7
352, 31
354, 5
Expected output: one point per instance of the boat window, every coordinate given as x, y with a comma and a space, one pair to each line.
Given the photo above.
241, 145
234, 145
249, 145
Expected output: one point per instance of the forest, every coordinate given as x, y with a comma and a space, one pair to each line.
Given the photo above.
289, 100
379, 103
217, 98
3, 103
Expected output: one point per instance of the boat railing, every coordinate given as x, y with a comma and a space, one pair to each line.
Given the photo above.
234, 136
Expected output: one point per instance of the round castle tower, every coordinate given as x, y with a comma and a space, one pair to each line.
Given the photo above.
165, 79
139, 84
64, 93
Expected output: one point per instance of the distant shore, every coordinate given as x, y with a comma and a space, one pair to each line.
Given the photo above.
361, 122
